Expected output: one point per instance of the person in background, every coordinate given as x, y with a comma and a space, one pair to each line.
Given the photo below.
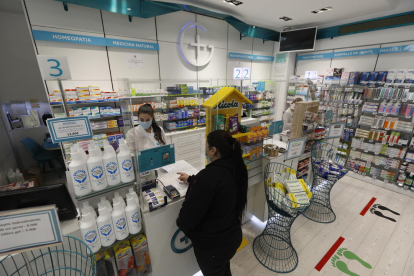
212, 212
288, 115
147, 134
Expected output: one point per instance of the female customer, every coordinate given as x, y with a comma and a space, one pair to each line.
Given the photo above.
147, 134
212, 212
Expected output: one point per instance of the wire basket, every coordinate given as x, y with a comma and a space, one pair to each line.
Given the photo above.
324, 152
273, 247
72, 258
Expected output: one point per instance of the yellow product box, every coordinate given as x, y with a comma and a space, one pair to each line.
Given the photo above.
281, 187
124, 258
142, 257
112, 123
289, 170
304, 185
298, 199
71, 113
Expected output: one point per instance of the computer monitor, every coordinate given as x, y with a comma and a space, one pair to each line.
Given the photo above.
56, 194
297, 40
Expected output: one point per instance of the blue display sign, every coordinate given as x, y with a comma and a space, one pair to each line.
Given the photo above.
155, 158
132, 44
251, 57
276, 127
362, 52
69, 38
69, 129
93, 40
328, 116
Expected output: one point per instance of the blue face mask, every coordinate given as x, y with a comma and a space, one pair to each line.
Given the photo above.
145, 125
208, 158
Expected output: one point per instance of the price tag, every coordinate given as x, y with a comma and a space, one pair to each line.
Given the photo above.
385, 114
376, 99
69, 129
391, 144
408, 117
365, 150
53, 68
374, 113
384, 142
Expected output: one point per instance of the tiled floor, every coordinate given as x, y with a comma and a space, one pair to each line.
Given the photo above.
377, 246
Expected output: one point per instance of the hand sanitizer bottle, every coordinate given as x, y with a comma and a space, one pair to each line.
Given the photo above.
89, 231
125, 162
119, 220
111, 165
105, 226
79, 174
96, 168
133, 215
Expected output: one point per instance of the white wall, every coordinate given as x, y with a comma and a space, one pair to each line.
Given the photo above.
99, 65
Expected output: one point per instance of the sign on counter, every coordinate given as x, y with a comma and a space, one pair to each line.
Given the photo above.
68, 129
336, 130
295, 148
276, 127
155, 158
29, 228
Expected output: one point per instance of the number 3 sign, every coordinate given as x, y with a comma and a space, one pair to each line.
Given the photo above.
54, 68
241, 73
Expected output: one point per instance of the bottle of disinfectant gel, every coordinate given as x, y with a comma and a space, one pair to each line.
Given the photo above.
110, 162
105, 226
125, 162
89, 231
133, 215
96, 168
79, 174
119, 220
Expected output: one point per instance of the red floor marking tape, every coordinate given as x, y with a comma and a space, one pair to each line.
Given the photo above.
329, 254
368, 206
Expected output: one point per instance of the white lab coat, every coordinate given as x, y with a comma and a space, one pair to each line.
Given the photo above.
143, 140
287, 119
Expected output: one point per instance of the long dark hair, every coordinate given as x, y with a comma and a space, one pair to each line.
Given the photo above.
228, 147
147, 109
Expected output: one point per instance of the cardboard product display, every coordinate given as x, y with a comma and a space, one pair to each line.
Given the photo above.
299, 115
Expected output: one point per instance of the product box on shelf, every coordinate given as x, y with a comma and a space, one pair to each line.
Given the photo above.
382, 77
104, 259
353, 78
124, 258
401, 75
86, 111
71, 95
410, 76
364, 77
142, 257
55, 97
392, 74
373, 78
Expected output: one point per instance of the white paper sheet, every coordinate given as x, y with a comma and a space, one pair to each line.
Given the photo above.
171, 178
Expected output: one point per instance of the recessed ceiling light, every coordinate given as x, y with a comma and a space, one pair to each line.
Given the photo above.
322, 10
285, 18
129, 9
233, 2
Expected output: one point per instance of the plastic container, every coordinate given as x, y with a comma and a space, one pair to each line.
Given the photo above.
125, 162
110, 163
19, 176
89, 231
120, 199
90, 209
79, 174
105, 225
134, 195
119, 220
96, 168
108, 204
133, 215
11, 176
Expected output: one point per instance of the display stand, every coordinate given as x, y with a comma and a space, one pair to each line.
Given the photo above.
320, 209
273, 247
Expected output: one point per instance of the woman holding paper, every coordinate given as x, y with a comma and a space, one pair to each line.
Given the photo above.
147, 134
212, 212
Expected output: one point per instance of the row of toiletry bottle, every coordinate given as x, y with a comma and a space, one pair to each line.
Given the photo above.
113, 223
96, 171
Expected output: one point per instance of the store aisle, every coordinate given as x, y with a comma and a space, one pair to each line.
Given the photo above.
380, 242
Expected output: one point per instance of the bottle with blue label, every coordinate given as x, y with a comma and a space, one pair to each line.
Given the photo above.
89, 231
105, 226
110, 162
79, 174
133, 215
125, 162
96, 168
119, 220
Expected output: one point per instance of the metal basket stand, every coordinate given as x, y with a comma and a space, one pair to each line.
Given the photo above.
273, 247
320, 209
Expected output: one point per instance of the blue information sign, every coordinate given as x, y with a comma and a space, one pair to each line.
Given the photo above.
69, 129
251, 57
276, 127
155, 158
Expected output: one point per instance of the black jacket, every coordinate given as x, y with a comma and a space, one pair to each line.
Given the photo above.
209, 213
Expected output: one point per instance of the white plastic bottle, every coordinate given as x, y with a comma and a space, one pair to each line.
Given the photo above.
134, 195
96, 168
79, 174
89, 209
89, 231
120, 199
133, 215
119, 220
125, 162
19, 176
110, 162
82, 151
11, 176
108, 204
105, 226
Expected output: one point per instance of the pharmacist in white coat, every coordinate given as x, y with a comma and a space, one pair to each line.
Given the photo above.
288, 115
147, 134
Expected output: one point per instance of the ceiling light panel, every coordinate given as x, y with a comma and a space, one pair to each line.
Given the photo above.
322, 10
